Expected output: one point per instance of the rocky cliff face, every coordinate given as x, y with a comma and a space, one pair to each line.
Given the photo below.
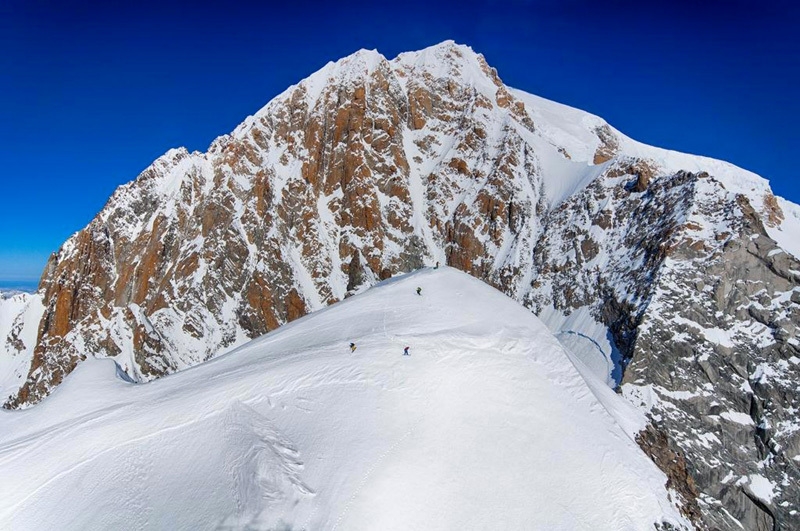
716, 362
701, 308
670, 275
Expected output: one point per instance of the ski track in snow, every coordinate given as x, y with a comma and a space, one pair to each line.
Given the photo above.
371, 470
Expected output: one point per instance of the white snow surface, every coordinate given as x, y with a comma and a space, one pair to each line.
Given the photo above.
586, 339
762, 487
18, 313
488, 424
737, 417
787, 234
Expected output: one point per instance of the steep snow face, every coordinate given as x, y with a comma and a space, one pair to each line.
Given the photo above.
486, 424
19, 320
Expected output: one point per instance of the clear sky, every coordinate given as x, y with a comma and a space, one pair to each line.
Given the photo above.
91, 93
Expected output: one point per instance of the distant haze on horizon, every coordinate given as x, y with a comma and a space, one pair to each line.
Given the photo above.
91, 95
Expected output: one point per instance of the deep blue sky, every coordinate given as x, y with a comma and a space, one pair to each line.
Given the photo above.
91, 94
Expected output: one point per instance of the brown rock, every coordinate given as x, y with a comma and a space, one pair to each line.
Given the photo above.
656, 445
609, 145
295, 306
772, 211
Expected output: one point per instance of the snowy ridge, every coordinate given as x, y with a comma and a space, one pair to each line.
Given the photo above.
293, 430
573, 130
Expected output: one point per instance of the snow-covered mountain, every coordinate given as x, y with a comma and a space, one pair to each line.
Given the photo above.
487, 424
671, 276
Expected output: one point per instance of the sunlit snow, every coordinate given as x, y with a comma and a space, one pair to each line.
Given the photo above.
487, 424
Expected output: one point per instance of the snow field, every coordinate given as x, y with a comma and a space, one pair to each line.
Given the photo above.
487, 424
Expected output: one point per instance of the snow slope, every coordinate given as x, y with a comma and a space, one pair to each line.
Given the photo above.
486, 425
19, 321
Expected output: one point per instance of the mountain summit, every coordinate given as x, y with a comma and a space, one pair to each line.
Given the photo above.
672, 277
